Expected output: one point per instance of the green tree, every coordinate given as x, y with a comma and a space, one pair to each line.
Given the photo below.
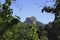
12, 29
55, 10
7, 21
54, 27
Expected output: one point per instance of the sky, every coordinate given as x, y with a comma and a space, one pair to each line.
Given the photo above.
28, 8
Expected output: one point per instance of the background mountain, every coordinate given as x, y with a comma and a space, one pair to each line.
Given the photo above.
33, 20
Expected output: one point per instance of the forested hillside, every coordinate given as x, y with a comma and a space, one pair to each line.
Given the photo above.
11, 28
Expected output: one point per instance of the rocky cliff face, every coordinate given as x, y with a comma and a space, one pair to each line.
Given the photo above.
33, 20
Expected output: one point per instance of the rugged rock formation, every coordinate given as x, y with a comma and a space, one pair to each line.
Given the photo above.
33, 20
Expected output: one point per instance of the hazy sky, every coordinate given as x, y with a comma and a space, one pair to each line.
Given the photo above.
28, 8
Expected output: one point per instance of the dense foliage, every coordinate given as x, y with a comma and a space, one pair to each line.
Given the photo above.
12, 28
53, 29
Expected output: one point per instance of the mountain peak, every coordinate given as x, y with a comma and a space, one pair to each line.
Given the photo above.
31, 20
